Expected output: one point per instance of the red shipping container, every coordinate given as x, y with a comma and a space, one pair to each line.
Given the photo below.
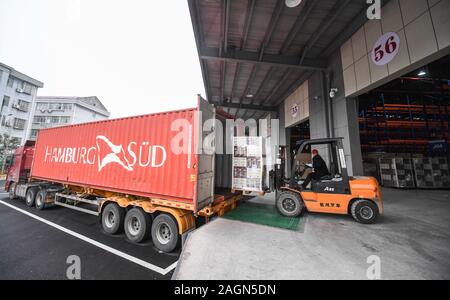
130, 156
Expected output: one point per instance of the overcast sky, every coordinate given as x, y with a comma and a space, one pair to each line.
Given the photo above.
137, 56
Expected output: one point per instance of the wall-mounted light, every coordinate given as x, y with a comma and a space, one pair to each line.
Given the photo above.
422, 73
293, 3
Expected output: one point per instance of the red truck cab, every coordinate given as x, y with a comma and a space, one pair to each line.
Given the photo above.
20, 165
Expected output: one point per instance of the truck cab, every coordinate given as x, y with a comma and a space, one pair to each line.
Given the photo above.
19, 166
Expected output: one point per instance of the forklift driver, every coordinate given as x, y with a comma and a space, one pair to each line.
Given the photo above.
319, 169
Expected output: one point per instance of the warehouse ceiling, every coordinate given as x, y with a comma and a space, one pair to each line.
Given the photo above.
254, 53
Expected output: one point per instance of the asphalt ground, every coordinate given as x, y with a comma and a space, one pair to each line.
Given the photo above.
41, 244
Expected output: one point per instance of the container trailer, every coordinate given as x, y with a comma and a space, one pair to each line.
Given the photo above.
144, 175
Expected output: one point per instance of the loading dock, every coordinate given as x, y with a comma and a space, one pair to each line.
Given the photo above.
289, 67
315, 68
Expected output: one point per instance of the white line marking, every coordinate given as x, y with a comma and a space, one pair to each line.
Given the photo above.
97, 244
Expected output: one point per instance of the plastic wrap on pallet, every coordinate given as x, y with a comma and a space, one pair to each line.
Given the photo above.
396, 172
441, 174
423, 173
432, 172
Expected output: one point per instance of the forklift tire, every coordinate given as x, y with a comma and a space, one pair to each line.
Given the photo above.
364, 211
165, 233
112, 218
137, 225
30, 197
289, 204
40, 199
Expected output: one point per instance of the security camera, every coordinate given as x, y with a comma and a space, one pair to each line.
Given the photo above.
333, 93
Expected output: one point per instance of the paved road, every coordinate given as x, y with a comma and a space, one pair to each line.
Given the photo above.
36, 244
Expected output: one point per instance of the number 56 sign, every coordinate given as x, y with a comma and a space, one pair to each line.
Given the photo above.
385, 49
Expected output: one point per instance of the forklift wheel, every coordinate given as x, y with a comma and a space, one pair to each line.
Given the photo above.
289, 204
364, 211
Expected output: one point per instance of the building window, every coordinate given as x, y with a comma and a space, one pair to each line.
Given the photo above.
6, 121
65, 120
54, 120
10, 82
34, 133
41, 105
39, 120
19, 124
25, 88
67, 106
55, 106
22, 105
5, 101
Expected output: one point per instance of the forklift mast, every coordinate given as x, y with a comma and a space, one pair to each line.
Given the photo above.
278, 175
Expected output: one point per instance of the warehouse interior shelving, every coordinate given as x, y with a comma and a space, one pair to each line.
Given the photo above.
409, 113
299, 133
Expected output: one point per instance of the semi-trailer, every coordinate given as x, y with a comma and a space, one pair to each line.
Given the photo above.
163, 174
147, 175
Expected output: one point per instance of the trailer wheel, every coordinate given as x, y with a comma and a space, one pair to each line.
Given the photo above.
364, 211
30, 197
12, 191
40, 199
112, 218
165, 233
136, 225
289, 204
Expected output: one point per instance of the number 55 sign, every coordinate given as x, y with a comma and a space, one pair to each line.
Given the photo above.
385, 49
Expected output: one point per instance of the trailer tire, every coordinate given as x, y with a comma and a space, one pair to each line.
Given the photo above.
165, 233
364, 211
112, 218
12, 190
30, 196
40, 199
290, 204
137, 224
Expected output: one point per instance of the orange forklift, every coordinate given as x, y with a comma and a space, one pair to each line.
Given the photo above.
337, 193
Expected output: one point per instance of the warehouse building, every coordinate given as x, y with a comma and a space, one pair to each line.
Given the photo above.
378, 77
325, 70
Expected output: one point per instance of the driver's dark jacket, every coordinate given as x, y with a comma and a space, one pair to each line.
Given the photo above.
320, 167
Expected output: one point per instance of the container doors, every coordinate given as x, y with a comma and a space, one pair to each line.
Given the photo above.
206, 154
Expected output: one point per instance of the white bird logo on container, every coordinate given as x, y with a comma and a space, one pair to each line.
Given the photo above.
117, 154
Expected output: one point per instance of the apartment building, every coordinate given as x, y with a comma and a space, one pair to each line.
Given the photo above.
17, 95
60, 111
